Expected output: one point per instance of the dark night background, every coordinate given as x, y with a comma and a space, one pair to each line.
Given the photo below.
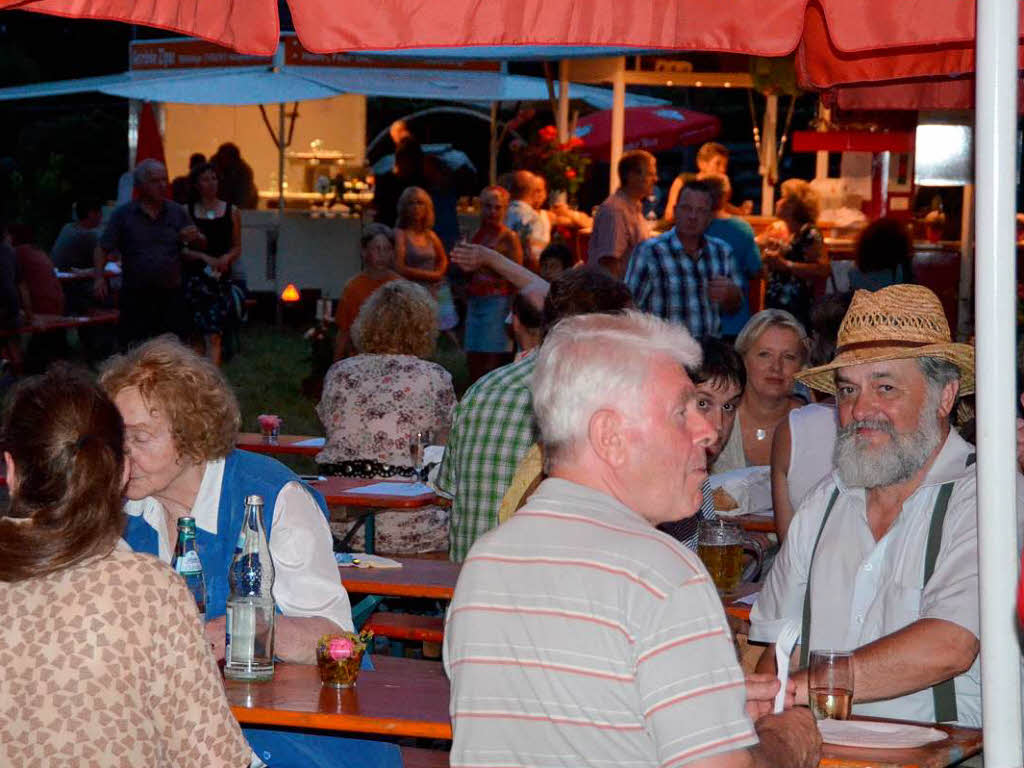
54, 149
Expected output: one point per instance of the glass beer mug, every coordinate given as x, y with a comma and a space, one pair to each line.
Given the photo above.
720, 546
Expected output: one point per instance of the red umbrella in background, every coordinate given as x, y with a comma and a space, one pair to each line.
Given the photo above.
655, 129
150, 144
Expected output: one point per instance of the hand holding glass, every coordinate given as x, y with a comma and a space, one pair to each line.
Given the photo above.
830, 684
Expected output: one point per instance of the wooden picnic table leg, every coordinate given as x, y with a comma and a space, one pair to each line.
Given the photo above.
367, 520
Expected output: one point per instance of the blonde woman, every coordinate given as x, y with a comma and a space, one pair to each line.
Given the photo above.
374, 403
774, 348
419, 253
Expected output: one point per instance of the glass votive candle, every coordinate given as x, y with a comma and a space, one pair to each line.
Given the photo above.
339, 657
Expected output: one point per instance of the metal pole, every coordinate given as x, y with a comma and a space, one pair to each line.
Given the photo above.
492, 173
618, 120
563, 100
995, 300
769, 155
821, 158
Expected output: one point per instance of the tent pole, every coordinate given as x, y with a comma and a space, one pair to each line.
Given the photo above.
769, 155
964, 321
618, 121
280, 160
492, 173
995, 310
563, 101
821, 158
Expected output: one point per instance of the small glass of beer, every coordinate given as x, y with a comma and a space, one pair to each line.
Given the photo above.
830, 684
720, 546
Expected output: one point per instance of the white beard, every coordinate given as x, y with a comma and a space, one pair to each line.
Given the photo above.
862, 466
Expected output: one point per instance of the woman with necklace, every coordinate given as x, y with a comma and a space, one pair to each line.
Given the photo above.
773, 346
204, 272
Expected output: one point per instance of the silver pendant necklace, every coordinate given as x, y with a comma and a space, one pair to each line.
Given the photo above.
761, 434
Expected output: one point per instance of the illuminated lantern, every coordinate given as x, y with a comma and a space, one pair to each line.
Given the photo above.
289, 294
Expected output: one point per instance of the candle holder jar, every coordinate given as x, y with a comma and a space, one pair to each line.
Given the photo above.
340, 656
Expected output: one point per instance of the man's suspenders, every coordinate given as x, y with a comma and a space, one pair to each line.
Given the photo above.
944, 693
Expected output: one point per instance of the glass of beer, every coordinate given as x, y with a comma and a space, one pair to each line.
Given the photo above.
830, 684
720, 546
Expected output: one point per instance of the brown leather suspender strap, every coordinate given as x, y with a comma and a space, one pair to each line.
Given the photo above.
944, 693
805, 631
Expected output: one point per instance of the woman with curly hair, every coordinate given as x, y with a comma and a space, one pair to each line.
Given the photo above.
181, 422
376, 402
93, 675
796, 261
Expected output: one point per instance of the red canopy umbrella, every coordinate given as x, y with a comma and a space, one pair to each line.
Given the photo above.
760, 27
655, 129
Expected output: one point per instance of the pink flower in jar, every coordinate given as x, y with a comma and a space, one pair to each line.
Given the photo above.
340, 648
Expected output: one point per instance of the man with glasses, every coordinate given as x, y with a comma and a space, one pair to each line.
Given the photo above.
684, 276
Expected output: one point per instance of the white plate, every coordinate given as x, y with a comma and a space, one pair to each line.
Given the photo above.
871, 735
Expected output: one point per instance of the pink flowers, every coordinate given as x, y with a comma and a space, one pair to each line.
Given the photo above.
268, 422
340, 648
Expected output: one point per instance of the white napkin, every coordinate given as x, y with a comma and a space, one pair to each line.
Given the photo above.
784, 644
751, 487
868, 734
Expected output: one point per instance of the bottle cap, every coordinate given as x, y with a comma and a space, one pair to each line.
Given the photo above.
187, 523
253, 499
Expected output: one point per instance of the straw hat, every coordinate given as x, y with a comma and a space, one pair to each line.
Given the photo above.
896, 322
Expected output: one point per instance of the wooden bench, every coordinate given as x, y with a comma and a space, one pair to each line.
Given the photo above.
407, 626
44, 323
415, 757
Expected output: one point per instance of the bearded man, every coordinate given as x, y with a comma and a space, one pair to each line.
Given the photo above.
881, 558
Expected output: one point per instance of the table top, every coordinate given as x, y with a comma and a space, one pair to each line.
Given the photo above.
433, 579
742, 610
399, 697
41, 323
253, 441
758, 523
334, 491
963, 743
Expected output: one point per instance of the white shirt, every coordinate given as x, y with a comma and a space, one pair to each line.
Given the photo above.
812, 438
533, 228
306, 577
864, 590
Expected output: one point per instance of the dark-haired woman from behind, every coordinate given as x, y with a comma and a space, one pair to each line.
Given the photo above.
882, 255
92, 672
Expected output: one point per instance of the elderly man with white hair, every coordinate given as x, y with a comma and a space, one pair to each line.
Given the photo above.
150, 235
579, 634
881, 558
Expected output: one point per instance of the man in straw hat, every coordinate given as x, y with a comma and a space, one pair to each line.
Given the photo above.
881, 557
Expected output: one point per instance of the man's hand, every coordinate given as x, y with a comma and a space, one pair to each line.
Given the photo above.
215, 629
790, 739
469, 257
191, 235
761, 690
99, 287
724, 292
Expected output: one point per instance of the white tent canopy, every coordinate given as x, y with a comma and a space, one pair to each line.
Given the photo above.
264, 85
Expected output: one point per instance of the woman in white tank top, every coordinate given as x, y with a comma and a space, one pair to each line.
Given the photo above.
801, 458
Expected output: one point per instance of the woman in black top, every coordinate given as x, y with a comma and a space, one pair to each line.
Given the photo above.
204, 272
796, 263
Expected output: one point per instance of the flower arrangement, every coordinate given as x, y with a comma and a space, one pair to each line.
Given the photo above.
561, 164
339, 656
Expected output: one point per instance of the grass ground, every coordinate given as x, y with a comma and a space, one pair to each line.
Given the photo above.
268, 373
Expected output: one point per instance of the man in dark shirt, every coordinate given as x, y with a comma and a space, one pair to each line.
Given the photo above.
149, 234
76, 243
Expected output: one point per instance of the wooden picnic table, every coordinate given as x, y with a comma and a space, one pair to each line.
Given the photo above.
961, 744
285, 444
432, 579
399, 697
44, 323
338, 491
757, 523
